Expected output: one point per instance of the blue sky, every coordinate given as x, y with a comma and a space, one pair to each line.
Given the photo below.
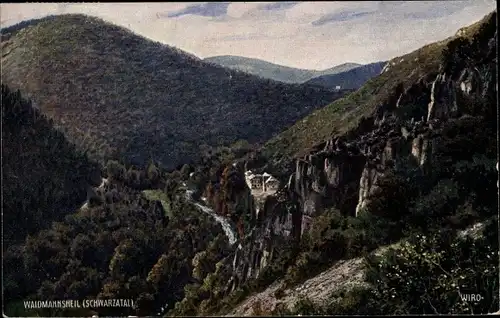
313, 35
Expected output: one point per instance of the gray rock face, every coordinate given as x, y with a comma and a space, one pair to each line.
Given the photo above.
257, 249
393, 139
345, 172
443, 98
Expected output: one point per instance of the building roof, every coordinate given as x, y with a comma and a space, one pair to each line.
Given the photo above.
271, 178
265, 174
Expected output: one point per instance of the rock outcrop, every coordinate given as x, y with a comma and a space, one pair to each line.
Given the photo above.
352, 167
344, 172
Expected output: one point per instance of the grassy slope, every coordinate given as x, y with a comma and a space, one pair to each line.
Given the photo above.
274, 71
121, 95
159, 195
345, 114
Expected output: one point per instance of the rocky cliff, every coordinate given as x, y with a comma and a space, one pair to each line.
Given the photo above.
400, 135
404, 133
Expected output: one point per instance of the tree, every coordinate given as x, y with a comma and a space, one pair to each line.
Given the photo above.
391, 197
185, 170
153, 173
115, 170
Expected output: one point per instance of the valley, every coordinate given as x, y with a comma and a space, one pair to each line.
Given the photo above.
134, 170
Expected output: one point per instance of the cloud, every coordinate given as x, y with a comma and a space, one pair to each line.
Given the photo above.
341, 17
271, 11
210, 9
245, 37
436, 10
308, 34
278, 5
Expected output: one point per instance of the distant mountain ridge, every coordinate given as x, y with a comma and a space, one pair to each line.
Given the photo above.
273, 71
119, 95
350, 79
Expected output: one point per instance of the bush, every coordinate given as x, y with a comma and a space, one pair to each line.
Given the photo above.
428, 275
257, 309
115, 170
391, 198
305, 306
279, 293
356, 301
430, 210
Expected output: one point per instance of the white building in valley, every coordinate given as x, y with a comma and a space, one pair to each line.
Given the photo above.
261, 182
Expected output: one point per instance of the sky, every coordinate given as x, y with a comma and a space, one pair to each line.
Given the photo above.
305, 34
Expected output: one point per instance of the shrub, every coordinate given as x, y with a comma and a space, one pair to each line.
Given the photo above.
391, 198
305, 306
115, 170
430, 209
357, 301
257, 309
428, 275
279, 293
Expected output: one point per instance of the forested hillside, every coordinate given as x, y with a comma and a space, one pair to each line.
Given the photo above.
44, 176
119, 95
57, 247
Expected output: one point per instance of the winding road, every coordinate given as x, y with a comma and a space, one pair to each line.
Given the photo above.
228, 229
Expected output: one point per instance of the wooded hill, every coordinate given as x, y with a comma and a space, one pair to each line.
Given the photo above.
120, 95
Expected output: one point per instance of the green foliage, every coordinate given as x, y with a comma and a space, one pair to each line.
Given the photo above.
305, 307
124, 247
115, 170
324, 243
428, 275
44, 177
210, 277
423, 275
139, 238
391, 198
440, 202
153, 173
159, 195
